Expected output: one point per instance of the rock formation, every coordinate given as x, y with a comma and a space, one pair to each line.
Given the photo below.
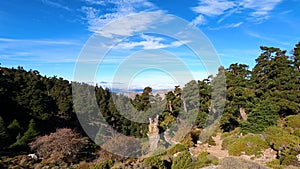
153, 133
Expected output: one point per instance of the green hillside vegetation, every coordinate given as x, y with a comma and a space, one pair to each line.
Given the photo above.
262, 110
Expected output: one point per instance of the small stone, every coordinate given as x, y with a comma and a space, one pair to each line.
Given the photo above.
298, 157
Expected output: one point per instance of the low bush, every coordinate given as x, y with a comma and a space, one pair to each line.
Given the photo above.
275, 164
175, 149
156, 161
204, 159
293, 121
61, 146
181, 161
278, 138
251, 145
104, 165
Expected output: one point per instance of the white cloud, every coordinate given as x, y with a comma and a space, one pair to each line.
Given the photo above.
261, 9
199, 20
150, 42
132, 24
253, 10
213, 7
117, 9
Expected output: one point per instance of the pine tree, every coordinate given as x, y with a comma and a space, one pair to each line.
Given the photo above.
28, 136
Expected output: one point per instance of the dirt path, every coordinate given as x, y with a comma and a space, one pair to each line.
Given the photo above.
213, 150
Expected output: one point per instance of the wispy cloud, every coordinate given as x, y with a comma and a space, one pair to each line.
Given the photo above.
150, 42
95, 2
270, 39
253, 10
261, 9
56, 4
35, 41
232, 25
39, 50
116, 9
213, 7
199, 20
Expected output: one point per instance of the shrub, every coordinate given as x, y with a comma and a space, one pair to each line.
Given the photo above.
234, 132
187, 141
275, 164
28, 136
228, 141
195, 135
62, 145
155, 161
262, 116
167, 122
277, 137
297, 132
293, 121
183, 160
175, 149
251, 145
204, 159
104, 165
289, 160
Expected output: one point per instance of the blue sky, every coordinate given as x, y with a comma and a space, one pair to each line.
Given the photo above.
49, 35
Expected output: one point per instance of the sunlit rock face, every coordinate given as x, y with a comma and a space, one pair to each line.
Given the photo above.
153, 133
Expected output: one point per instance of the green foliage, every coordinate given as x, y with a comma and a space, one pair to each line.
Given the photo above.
263, 116
279, 138
293, 121
267, 93
204, 159
168, 121
234, 132
251, 145
289, 159
26, 95
275, 164
104, 165
175, 149
187, 141
142, 102
28, 136
183, 160
14, 125
156, 161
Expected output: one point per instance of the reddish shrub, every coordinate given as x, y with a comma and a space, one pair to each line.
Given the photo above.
62, 145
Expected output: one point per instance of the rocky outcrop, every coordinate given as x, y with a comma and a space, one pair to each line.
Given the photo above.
153, 133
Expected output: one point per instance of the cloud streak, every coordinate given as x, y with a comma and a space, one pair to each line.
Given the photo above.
254, 10
34, 41
39, 50
56, 5
150, 42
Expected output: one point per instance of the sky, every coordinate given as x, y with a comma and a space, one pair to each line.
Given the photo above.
142, 40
